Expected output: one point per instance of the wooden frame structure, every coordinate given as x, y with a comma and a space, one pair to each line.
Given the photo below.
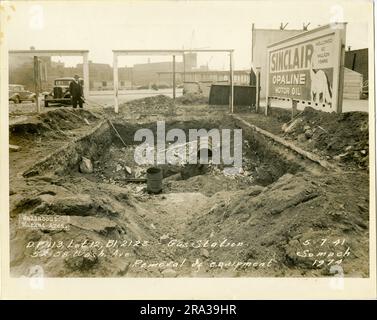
173, 53
51, 53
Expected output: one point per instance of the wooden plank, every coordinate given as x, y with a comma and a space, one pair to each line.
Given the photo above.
13, 147
135, 180
162, 52
117, 133
47, 53
311, 156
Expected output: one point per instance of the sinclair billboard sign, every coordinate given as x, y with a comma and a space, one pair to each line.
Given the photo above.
308, 68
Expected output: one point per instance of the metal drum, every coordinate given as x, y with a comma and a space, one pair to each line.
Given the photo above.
205, 149
154, 180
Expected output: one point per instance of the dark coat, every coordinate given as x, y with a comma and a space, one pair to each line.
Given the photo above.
75, 89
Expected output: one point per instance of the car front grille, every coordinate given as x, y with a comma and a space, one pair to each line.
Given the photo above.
58, 92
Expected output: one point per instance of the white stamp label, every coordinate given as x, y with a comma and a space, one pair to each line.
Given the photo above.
43, 222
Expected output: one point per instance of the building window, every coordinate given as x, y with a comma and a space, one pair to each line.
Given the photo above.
104, 84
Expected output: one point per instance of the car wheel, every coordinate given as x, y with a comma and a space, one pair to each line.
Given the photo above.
34, 100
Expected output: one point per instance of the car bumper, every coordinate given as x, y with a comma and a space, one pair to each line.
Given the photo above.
58, 100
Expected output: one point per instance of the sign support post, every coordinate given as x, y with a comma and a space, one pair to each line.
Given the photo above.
294, 108
257, 91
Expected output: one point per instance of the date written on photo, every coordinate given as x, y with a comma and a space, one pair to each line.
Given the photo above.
324, 251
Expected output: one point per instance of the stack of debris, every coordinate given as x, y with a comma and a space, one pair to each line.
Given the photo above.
192, 99
342, 137
150, 105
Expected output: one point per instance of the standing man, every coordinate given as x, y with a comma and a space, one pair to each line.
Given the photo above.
76, 90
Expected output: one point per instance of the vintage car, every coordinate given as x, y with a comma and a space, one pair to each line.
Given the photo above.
17, 94
60, 93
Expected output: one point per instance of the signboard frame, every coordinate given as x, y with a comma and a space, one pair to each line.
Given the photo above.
335, 30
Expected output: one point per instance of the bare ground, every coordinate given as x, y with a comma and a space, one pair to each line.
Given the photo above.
284, 216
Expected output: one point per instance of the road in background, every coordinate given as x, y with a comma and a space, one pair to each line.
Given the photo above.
106, 99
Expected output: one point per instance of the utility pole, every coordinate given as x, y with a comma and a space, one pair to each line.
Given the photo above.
231, 86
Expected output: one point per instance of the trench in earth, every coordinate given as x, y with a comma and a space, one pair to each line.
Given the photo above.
107, 204
114, 162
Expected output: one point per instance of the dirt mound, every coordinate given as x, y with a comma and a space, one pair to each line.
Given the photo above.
91, 216
208, 184
279, 222
156, 104
192, 98
53, 122
343, 137
275, 210
67, 119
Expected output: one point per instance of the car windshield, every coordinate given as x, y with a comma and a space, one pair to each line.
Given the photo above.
62, 82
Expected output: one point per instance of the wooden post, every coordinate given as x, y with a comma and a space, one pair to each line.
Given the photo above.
342, 44
294, 108
268, 104
37, 83
257, 91
184, 67
174, 77
85, 67
231, 85
132, 78
115, 81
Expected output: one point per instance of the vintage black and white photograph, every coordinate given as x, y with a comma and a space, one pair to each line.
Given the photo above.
189, 139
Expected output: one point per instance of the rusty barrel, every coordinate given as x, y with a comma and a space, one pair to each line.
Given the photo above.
154, 180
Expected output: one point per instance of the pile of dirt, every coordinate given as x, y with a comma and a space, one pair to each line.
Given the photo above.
275, 210
209, 184
192, 99
282, 115
279, 222
98, 213
343, 137
52, 123
156, 104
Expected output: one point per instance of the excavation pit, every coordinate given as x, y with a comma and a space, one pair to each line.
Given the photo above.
201, 210
115, 162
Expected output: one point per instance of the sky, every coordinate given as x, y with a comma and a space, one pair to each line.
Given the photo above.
101, 26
